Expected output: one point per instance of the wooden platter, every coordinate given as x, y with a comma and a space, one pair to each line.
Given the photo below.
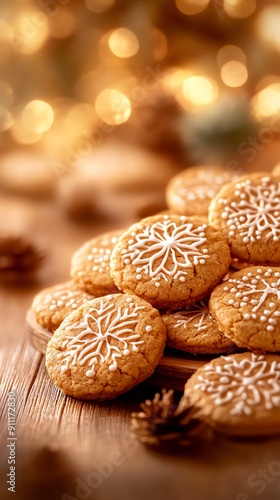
172, 372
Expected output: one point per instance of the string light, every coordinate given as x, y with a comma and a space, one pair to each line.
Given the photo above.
191, 7
123, 43
31, 30
37, 116
234, 73
112, 106
21, 135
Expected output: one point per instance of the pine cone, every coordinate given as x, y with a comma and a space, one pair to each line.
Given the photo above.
19, 256
164, 423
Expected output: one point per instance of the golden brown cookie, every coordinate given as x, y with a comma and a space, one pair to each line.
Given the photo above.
106, 347
53, 304
90, 265
248, 214
170, 260
193, 329
247, 308
190, 191
239, 394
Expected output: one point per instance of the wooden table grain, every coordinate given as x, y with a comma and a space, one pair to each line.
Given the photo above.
69, 449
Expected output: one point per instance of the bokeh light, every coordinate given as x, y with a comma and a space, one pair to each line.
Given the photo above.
6, 120
199, 91
267, 102
192, 7
99, 6
234, 73
159, 43
63, 24
230, 53
21, 135
268, 23
112, 106
37, 116
31, 31
123, 43
239, 9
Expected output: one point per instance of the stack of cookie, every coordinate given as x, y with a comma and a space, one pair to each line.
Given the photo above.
154, 280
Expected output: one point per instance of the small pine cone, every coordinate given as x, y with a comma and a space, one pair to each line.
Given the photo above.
164, 423
19, 256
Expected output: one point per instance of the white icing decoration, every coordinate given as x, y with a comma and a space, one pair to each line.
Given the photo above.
199, 311
99, 336
65, 297
256, 213
166, 241
261, 292
243, 384
211, 184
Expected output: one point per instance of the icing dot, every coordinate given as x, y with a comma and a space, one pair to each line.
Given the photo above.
247, 316
138, 276
231, 302
90, 373
157, 284
113, 368
270, 328
135, 348
243, 304
263, 318
129, 299
276, 313
182, 278
272, 304
127, 261
148, 328
139, 269
126, 352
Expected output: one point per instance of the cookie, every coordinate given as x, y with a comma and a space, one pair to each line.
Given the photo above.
170, 260
53, 304
194, 330
106, 347
239, 394
247, 308
190, 191
248, 214
90, 264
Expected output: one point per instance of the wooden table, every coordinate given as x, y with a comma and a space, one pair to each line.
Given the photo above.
69, 449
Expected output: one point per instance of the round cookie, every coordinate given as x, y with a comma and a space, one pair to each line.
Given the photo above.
194, 330
106, 347
239, 394
246, 308
248, 214
52, 305
191, 191
90, 264
170, 260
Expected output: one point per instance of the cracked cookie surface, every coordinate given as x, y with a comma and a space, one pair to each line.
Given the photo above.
170, 260
247, 308
106, 347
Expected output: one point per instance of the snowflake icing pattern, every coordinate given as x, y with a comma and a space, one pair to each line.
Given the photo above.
243, 384
255, 290
199, 311
258, 211
101, 333
165, 241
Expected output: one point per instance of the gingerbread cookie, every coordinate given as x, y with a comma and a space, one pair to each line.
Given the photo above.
247, 308
170, 260
191, 191
239, 394
106, 347
90, 265
193, 329
53, 304
248, 214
